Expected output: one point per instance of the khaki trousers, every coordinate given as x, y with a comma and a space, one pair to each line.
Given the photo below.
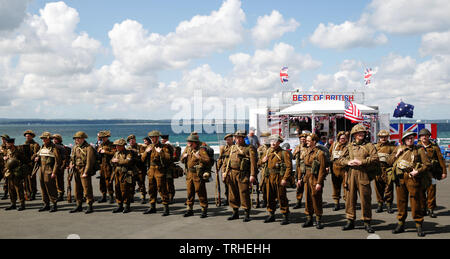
313, 202
60, 180
429, 197
15, 187
157, 182
124, 190
409, 188
274, 191
358, 184
384, 191
196, 185
239, 190
106, 183
83, 187
48, 188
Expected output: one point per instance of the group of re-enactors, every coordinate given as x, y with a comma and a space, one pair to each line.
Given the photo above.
352, 161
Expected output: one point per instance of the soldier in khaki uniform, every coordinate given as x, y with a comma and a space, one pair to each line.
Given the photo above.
410, 166
339, 172
122, 163
82, 161
106, 151
314, 177
240, 172
195, 160
159, 158
224, 154
137, 149
50, 162
171, 167
384, 191
437, 170
263, 150
31, 149
278, 169
299, 154
2, 166
359, 156
15, 171
65, 157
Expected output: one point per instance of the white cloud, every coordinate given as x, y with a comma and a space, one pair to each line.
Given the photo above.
346, 35
12, 13
435, 43
141, 51
409, 16
271, 27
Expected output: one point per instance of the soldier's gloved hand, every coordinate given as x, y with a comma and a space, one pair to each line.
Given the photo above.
252, 179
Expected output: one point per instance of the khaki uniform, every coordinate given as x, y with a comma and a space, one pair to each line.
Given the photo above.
30, 148
262, 152
16, 184
313, 197
50, 162
106, 183
2, 168
338, 172
83, 158
171, 172
242, 165
358, 180
436, 160
279, 167
123, 176
384, 191
224, 155
299, 155
65, 160
407, 186
194, 182
157, 172
140, 169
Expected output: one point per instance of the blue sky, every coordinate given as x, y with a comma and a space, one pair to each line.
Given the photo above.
93, 55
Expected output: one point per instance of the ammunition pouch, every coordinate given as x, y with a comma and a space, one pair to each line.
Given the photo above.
436, 169
315, 167
20, 172
383, 157
245, 164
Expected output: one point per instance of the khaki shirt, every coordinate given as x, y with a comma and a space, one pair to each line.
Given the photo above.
310, 155
161, 159
275, 158
224, 154
50, 159
435, 156
410, 158
192, 160
365, 152
107, 155
83, 158
238, 153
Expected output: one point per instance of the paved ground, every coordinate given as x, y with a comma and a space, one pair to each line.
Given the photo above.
104, 224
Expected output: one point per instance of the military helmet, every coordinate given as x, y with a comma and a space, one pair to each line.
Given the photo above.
132, 136
314, 137
358, 128
240, 133
383, 133
5, 136
424, 132
80, 134
29, 132
46, 135
193, 138
104, 134
194, 133
276, 137
58, 137
407, 134
340, 133
227, 136
119, 142
265, 134
12, 164
154, 133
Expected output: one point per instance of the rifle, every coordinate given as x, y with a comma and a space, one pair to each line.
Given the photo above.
69, 185
218, 197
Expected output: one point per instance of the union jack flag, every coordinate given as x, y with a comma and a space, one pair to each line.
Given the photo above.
352, 113
368, 75
397, 129
284, 75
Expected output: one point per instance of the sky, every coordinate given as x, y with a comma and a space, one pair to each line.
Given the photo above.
140, 59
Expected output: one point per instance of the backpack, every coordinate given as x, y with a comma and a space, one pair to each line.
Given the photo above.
326, 153
210, 152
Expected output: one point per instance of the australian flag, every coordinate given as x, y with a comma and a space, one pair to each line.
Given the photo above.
404, 110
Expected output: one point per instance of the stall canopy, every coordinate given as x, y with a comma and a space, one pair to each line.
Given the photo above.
323, 107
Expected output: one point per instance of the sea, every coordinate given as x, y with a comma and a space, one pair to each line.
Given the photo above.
140, 130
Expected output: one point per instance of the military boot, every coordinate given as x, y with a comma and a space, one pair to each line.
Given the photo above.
143, 199
78, 208
60, 197
235, 214
54, 208
379, 208
127, 208
119, 208
389, 208
263, 204
103, 199
319, 224
5, 196
337, 206
204, 213
285, 220
152, 209
247, 215
400, 228
308, 222
111, 199
22, 206
166, 210
12, 207
89, 209
45, 208
270, 218
420, 232
189, 211
33, 196
298, 205
432, 215
350, 225
368, 227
